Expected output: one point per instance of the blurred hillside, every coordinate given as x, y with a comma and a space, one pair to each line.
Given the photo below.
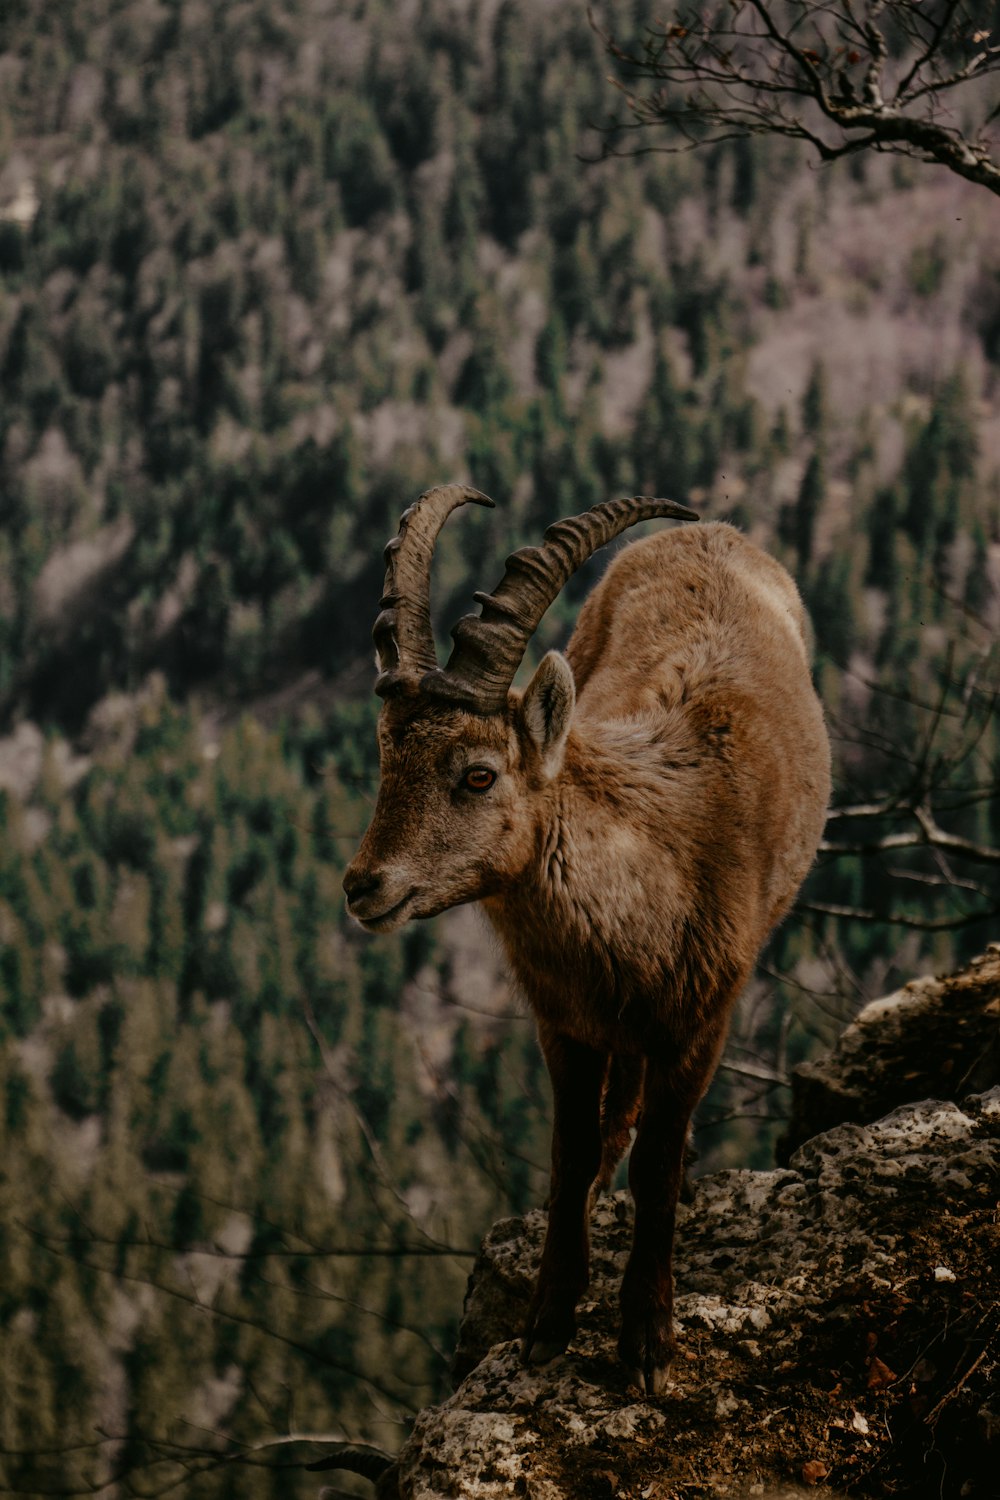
265, 273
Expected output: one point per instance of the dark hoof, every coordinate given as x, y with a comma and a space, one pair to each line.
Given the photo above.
652, 1380
647, 1351
547, 1334
542, 1352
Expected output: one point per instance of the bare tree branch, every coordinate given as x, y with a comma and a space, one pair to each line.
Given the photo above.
843, 77
899, 918
757, 1072
928, 834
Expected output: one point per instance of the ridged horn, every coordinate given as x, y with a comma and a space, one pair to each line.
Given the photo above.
402, 632
489, 646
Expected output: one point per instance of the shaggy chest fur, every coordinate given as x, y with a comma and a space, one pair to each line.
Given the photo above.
603, 954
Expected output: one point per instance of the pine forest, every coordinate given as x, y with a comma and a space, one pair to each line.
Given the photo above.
266, 273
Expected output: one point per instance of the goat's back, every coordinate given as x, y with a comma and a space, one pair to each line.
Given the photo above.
697, 642
666, 603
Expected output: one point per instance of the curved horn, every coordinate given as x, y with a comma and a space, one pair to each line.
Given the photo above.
402, 632
489, 646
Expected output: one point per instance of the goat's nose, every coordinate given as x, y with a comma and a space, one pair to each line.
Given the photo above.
358, 883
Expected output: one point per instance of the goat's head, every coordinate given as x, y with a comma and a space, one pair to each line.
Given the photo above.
464, 757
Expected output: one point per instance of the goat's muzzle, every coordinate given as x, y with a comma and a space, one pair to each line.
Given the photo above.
376, 906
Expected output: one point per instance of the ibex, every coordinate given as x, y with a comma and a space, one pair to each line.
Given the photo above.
633, 823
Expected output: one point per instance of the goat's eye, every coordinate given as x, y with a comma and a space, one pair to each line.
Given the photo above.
478, 779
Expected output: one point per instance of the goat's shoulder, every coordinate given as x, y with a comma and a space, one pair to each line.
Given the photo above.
698, 572
695, 608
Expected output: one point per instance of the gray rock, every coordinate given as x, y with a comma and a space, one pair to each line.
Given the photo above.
835, 1319
934, 1039
838, 1316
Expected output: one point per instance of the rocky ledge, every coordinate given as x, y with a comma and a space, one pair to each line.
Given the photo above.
839, 1323
933, 1039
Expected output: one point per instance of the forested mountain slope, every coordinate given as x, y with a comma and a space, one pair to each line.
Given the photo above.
265, 272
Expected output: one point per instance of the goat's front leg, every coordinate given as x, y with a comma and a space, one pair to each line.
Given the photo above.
577, 1074
656, 1171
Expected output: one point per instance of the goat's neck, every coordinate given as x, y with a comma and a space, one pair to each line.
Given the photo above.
585, 886
616, 920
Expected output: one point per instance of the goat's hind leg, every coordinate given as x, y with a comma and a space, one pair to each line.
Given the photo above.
620, 1108
656, 1171
578, 1074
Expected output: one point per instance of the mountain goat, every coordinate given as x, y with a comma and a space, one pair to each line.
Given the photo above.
633, 824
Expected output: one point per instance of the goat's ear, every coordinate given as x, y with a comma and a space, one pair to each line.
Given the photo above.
548, 703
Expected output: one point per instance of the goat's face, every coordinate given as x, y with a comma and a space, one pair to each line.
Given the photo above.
459, 800
466, 761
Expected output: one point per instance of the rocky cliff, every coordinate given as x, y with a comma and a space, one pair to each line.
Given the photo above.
839, 1316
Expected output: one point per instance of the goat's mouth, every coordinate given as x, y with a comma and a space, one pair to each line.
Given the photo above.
393, 916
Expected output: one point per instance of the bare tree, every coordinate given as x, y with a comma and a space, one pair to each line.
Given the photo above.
900, 76
934, 755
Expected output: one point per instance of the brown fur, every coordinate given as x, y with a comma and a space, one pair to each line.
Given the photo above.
633, 854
